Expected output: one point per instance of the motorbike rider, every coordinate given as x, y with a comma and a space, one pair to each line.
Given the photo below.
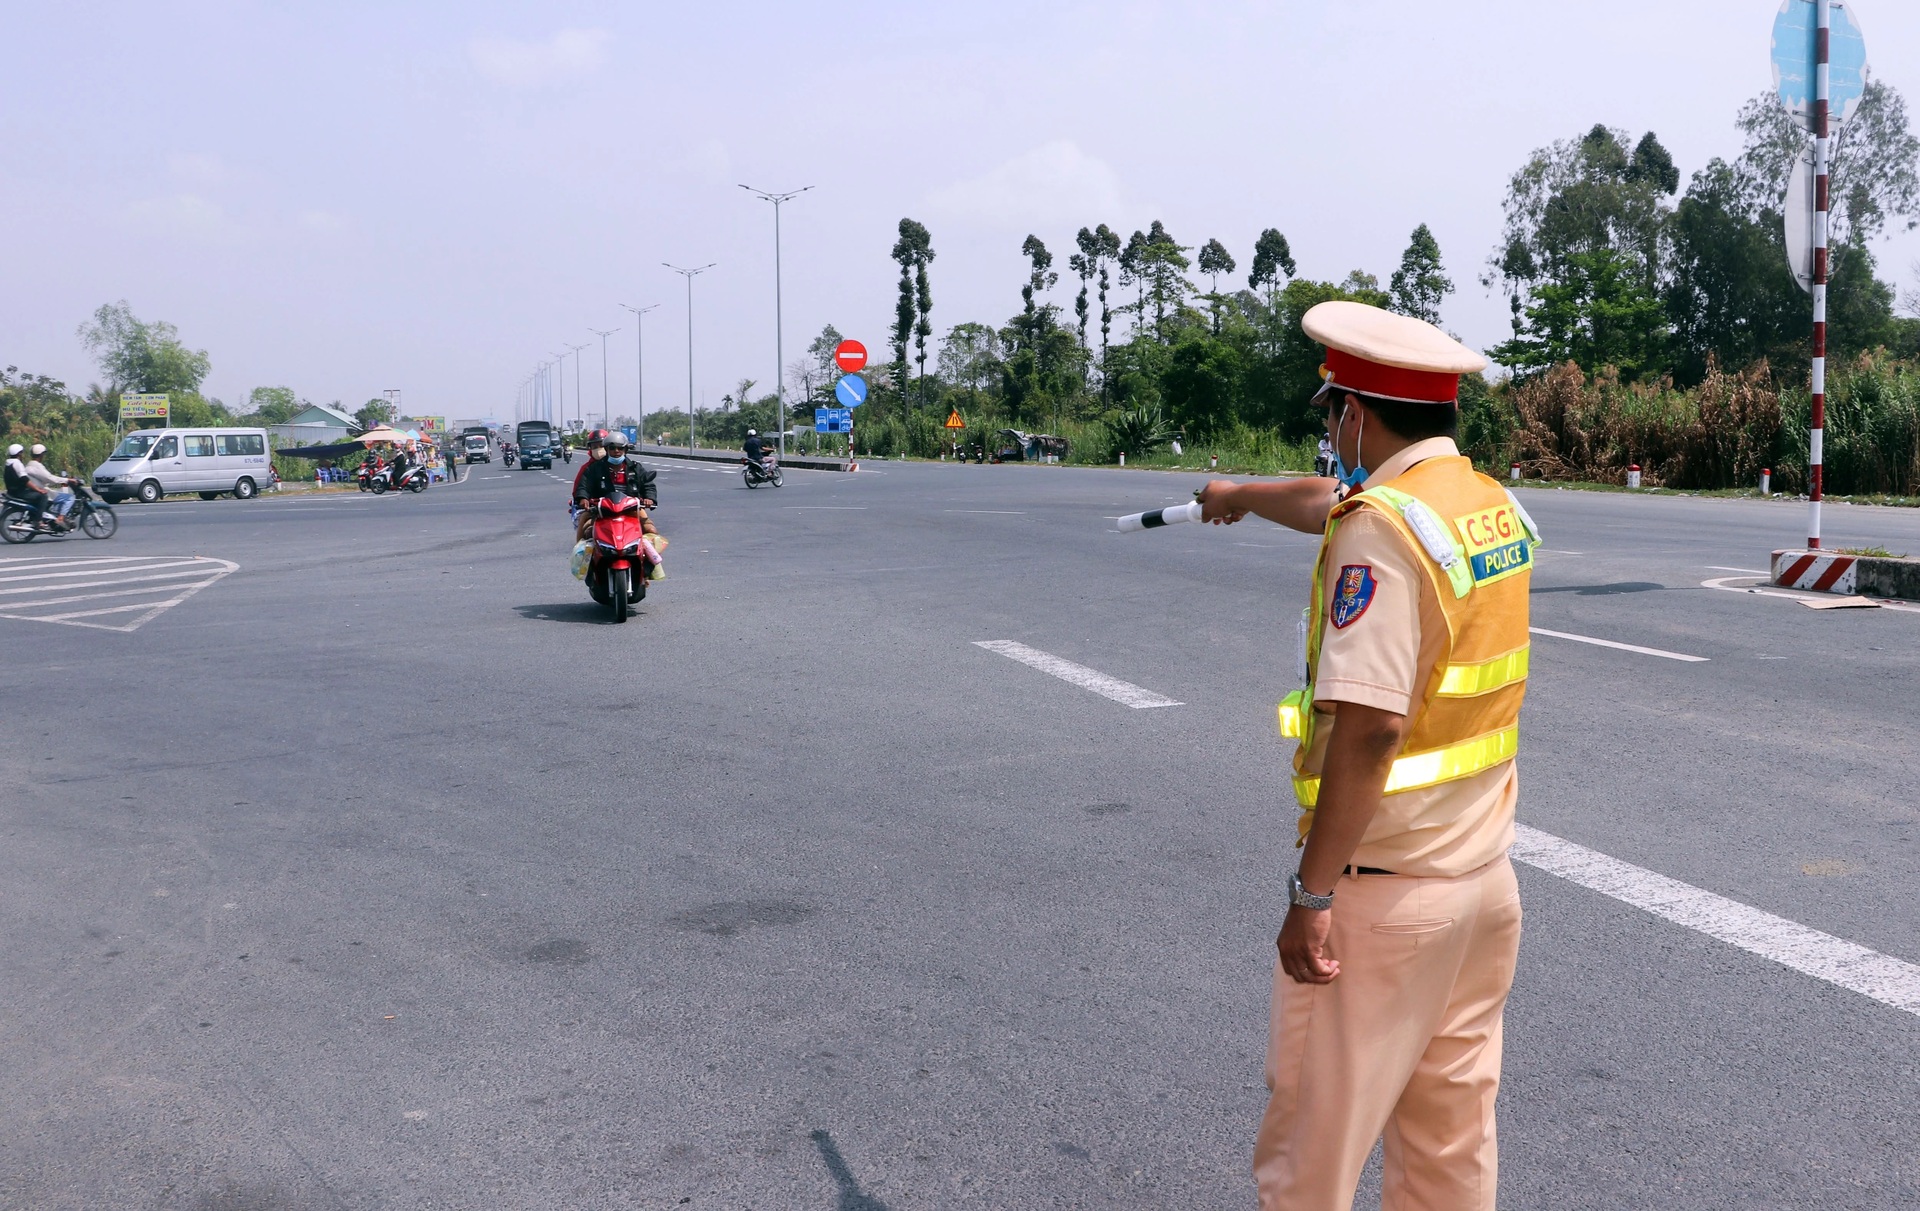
397, 470
617, 470
59, 487
755, 448
20, 485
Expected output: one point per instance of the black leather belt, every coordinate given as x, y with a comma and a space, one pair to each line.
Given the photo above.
1366, 870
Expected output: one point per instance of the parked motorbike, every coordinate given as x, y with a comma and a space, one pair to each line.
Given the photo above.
616, 568
766, 472
414, 479
90, 515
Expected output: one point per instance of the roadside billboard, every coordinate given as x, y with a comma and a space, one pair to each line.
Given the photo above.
144, 407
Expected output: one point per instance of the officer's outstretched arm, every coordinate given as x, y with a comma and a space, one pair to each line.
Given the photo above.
1298, 504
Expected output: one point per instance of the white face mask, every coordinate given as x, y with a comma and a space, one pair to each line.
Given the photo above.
599, 452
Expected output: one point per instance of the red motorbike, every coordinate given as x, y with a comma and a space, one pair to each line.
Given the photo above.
617, 568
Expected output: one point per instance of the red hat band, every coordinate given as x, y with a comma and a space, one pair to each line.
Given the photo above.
1346, 372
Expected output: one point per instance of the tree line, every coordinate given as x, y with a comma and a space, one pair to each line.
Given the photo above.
1647, 293
136, 356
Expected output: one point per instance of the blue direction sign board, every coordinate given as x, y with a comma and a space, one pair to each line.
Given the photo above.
1793, 31
833, 420
851, 390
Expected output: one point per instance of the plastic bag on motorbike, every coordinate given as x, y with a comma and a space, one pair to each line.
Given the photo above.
582, 555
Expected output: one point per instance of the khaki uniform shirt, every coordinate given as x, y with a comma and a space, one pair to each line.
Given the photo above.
1383, 658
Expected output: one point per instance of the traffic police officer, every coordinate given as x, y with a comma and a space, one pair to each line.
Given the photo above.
1399, 946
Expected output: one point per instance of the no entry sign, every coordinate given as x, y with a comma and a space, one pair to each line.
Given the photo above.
850, 356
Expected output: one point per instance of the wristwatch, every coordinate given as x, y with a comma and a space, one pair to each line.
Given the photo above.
1298, 894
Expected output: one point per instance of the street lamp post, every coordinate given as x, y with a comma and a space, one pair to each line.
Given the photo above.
640, 363
393, 402
690, 274
779, 364
560, 374
606, 417
579, 396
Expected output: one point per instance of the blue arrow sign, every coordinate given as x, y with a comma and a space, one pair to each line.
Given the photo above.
1793, 31
851, 390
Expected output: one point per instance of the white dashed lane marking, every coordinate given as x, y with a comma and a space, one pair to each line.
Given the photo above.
1849, 965
107, 593
1124, 692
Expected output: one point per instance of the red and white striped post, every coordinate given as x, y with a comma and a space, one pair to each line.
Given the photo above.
1823, 27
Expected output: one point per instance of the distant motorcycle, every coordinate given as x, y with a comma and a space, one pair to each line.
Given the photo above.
1323, 463
616, 566
414, 479
90, 515
507, 456
766, 471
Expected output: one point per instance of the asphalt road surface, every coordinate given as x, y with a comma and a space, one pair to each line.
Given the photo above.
355, 860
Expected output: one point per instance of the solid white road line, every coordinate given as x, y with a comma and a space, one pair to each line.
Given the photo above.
1124, 692
1624, 647
1720, 583
1714, 567
1888, 980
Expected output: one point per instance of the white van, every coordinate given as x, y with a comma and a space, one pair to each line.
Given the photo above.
150, 463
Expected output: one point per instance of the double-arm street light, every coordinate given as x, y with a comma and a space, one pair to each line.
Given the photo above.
606, 417
640, 363
779, 364
690, 274
560, 373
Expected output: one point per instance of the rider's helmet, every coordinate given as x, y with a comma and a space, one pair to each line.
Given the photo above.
753, 433
38, 449
617, 440
596, 438
15, 450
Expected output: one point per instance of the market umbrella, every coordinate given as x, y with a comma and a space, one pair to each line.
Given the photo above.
382, 433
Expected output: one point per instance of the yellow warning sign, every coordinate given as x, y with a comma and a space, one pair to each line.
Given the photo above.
954, 421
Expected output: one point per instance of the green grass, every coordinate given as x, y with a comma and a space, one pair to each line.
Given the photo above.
1575, 485
1870, 552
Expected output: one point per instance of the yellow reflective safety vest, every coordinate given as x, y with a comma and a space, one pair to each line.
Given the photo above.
1476, 543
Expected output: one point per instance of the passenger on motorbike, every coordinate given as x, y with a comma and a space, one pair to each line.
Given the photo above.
596, 450
20, 485
397, 472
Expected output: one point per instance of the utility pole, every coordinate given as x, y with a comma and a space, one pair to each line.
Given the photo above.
690, 274
640, 363
606, 417
560, 360
779, 364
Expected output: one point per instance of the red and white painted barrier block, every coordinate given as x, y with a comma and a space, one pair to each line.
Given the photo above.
1817, 571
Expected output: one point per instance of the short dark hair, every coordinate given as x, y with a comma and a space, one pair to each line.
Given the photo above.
1414, 422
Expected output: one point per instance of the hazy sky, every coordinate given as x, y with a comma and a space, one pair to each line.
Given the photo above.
344, 198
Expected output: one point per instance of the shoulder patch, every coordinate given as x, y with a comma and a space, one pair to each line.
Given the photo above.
1353, 594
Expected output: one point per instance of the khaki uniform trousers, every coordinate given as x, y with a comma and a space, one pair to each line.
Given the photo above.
1405, 1041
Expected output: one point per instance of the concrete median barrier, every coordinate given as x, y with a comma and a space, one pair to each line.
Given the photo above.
1832, 572
795, 462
